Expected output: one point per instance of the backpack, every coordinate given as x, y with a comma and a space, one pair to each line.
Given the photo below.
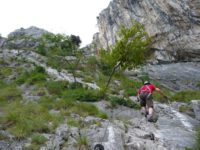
145, 94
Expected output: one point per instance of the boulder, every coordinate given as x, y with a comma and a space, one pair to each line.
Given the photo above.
23, 38
196, 107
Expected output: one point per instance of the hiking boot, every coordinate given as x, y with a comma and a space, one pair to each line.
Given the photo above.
150, 118
143, 112
146, 114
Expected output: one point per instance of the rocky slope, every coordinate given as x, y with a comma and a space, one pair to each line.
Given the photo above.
174, 25
126, 129
22, 38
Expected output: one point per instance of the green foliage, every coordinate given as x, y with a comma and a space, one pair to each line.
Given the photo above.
82, 94
130, 92
69, 105
198, 84
56, 87
9, 92
5, 71
58, 44
50, 43
145, 77
24, 119
73, 122
92, 62
102, 115
38, 139
184, 108
47, 102
129, 52
101, 80
130, 86
121, 101
186, 96
106, 62
56, 47
36, 78
85, 109
65, 104
41, 49
82, 142
38, 75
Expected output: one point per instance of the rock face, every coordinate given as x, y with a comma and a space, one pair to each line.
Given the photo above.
196, 107
175, 28
32, 31
2, 40
174, 24
22, 38
176, 76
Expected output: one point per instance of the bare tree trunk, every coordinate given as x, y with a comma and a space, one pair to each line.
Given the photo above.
112, 73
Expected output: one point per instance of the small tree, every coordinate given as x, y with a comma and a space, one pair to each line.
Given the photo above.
130, 51
58, 47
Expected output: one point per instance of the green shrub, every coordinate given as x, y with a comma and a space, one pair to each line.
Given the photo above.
9, 92
55, 63
24, 119
46, 102
41, 49
92, 62
3, 62
56, 87
39, 69
73, 122
121, 101
65, 103
85, 109
102, 115
186, 96
35, 76
82, 142
22, 79
184, 108
130, 92
38, 139
129, 86
101, 80
88, 79
82, 94
6, 71
198, 84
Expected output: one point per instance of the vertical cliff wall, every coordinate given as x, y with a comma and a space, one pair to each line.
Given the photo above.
174, 24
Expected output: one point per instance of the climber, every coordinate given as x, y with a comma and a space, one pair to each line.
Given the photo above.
145, 97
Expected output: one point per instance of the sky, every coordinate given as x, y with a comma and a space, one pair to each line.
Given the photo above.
77, 17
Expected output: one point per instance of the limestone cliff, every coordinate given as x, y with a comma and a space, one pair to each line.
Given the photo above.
174, 24
175, 27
